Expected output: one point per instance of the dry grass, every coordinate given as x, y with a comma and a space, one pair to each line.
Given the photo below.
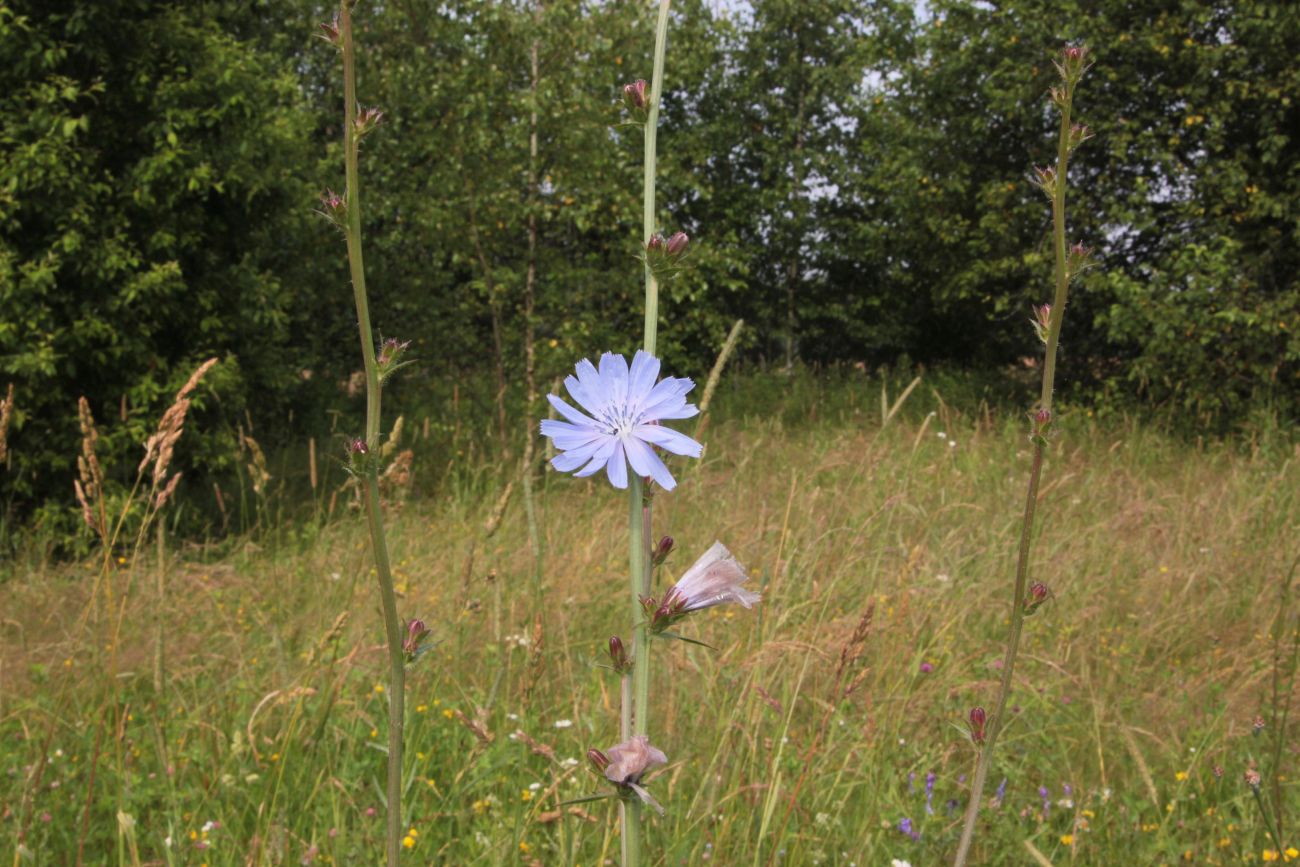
793, 742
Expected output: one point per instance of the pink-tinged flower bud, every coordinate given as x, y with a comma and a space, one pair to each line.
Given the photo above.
1042, 321
634, 96
416, 632
1038, 594
1078, 135
1218, 772
978, 718
598, 760
618, 654
661, 551
1042, 418
1257, 725
358, 447
330, 31
1077, 259
1045, 179
664, 255
334, 208
1252, 779
1074, 62
390, 357
367, 120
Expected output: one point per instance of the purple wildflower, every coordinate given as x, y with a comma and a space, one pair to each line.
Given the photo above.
626, 406
929, 793
1001, 794
905, 825
1047, 799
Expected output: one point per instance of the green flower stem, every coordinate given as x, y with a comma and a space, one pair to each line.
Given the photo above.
648, 185
635, 712
1062, 279
374, 515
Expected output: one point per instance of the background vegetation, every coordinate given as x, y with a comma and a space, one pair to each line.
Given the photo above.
854, 176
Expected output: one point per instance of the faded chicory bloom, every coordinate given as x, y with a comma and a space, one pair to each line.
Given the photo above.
714, 579
625, 406
629, 761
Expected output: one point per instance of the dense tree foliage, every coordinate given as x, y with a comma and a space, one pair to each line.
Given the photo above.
854, 176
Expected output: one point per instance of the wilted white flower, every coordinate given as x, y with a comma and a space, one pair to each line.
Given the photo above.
714, 579
629, 762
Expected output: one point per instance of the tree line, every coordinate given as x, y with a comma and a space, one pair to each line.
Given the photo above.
854, 176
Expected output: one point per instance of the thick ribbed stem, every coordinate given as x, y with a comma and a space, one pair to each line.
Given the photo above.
374, 517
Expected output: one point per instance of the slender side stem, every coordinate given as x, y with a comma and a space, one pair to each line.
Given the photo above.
1062, 280
374, 516
648, 193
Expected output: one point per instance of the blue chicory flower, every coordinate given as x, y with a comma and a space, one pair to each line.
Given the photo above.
626, 406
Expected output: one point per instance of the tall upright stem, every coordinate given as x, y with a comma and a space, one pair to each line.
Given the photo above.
374, 516
635, 687
1062, 281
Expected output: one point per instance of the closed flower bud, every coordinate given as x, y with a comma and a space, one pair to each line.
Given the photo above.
1077, 260
1074, 62
661, 551
358, 447
1045, 179
367, 120
1252, 779
978, 718
1042, 321
598, 760
1078, 135
1038, 594
618, 654
390, 357
330, 31
634, 99
664, 255
334, 208
358, 456
416, 632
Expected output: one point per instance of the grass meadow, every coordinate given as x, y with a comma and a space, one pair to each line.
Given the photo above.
225, 706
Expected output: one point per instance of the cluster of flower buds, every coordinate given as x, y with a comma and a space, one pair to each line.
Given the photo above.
366, 121
390, 357
661, 551
714, 579
978, 720
412, 643
625, 764
1038, 594
1042, 321
335, 209
1252, 779
664, 255
636, 101
618, 656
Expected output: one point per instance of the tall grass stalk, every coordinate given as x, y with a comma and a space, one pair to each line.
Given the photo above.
370, 480
635, 716
1071, 65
